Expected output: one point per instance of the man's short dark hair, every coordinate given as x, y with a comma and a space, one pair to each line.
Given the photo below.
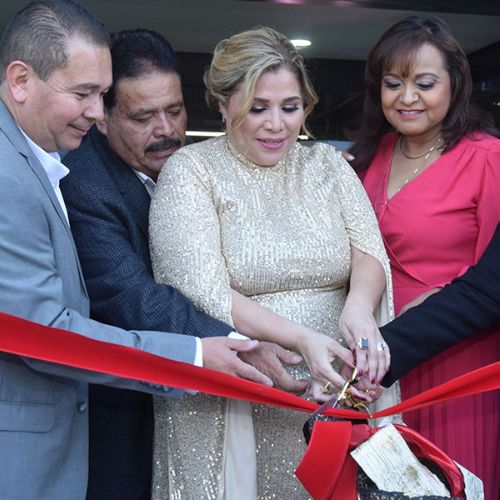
138, 52
38, 35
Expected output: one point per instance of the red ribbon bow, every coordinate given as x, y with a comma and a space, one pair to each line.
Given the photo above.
328, 472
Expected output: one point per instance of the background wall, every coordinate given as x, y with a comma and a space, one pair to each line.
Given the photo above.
341, 33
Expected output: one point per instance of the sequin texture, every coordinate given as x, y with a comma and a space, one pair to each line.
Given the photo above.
280, 235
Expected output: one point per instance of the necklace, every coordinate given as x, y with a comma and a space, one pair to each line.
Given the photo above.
436, 146
410, 177
379, 201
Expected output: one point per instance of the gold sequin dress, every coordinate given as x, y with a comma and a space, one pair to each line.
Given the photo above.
280, 235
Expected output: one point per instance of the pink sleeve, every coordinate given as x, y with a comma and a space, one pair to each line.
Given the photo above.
488, 201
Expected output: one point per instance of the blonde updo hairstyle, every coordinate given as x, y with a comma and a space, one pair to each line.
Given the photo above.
238, 62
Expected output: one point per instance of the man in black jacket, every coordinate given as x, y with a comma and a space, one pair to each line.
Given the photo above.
469, 304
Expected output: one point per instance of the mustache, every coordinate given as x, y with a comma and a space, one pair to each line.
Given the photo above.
164, 144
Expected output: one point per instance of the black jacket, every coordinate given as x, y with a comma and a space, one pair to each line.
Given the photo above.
469, 304
108, 208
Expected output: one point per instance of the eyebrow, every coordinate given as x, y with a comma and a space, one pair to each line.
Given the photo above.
418, 75
427, 73
144, 111
288, 99
88, 86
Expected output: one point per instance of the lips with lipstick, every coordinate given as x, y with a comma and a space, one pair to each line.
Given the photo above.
410, 113
271, 143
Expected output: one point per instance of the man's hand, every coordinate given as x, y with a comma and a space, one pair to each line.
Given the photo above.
268, 358
221, 354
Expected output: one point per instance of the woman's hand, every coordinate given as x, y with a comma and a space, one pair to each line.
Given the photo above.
418, 300
356, 323
370, 392
319, 351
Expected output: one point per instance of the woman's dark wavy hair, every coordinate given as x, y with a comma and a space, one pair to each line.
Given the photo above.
397, 48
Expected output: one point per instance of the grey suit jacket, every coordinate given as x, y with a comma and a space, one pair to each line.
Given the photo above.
43, 406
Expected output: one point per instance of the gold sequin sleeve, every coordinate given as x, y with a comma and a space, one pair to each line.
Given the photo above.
360, 221
185, 236
362, 228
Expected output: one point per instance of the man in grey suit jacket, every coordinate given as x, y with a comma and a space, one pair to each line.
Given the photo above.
55, 66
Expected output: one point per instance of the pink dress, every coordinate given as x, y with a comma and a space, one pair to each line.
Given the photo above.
434, 229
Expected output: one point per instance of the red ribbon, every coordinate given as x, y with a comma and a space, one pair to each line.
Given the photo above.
25, 338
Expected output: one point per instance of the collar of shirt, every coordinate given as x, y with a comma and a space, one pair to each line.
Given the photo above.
55, 170
149, 183
51, 162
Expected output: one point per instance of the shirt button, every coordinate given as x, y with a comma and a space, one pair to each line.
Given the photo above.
82, 407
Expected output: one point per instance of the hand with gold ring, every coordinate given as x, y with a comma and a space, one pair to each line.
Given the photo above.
325, 392
373, 394
319, 351
362, 389
326, 388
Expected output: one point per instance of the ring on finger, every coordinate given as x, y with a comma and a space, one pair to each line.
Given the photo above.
362, 343
326, 388
381, 346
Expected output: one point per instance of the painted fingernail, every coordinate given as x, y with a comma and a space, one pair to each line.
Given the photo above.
373, 380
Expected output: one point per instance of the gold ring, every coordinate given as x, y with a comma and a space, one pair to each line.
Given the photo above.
326, 388
362, 343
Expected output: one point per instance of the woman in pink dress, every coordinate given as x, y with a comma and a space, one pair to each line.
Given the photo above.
431, 166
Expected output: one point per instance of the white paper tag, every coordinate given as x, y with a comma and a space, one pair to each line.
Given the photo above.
390, 464
474, 489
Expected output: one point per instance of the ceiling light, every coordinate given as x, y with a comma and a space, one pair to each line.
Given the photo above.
300, 44
206, 133
203, 133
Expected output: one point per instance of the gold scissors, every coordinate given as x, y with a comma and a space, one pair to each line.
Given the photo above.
339, 400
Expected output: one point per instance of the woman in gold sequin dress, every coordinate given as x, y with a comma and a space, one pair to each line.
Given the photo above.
255, 228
